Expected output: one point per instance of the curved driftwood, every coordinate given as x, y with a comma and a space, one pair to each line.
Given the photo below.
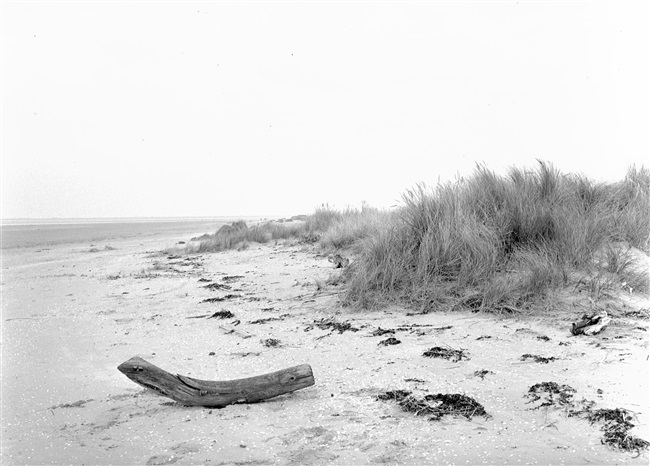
195, 392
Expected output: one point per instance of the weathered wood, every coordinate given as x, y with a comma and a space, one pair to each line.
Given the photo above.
195, 392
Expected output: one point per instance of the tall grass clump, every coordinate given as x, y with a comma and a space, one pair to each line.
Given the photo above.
502, 242
352, 225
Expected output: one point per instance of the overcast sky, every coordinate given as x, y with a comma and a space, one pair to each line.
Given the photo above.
122, 109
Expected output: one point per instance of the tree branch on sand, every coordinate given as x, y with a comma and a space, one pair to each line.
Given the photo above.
195, 392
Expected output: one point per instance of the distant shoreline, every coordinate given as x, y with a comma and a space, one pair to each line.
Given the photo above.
122, 220
17, 235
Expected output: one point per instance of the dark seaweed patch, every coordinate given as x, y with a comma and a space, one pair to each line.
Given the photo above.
482, 373
222, 298
552, 394
330, 323
536, 358
217, 286
445, 353
390, 341
382, 331
616, 427
436, 406
264, 321
232, 278
222, 315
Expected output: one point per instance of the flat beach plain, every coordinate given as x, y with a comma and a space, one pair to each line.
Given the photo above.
73, 310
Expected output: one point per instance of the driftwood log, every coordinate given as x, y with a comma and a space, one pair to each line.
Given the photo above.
214, 394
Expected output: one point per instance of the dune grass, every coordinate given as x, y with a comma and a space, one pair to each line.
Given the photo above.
502, 242
486, 242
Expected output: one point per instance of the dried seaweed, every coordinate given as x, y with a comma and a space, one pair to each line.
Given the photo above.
271, 342
231, 278
222, 298
616, 422
264, 321
616, 426
222, 315
217, 286
553, 394
482, 373
382, 331
330, 323
445, 353
436, 406
536, 358
390, 341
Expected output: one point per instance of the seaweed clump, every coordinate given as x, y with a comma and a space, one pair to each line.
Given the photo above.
390, 341
616, 427
436, 406
324, 324
445, 353
553, 394
382, 331
536, 358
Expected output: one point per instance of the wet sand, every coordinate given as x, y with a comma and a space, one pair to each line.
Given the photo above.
72, 312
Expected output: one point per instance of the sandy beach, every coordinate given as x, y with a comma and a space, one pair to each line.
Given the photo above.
73, 311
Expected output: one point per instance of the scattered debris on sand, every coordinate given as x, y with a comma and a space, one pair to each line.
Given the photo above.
445, 353
591, 324
327, 323
436, 406
543, 338
484, 337
390, 341
382, 331
536, 358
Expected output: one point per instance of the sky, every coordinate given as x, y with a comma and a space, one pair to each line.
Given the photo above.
156, 109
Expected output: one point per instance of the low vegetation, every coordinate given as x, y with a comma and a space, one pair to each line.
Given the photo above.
485, 242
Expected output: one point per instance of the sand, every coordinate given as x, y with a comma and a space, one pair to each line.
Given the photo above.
71, 313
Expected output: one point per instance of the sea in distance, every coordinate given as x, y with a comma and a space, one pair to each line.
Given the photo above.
17, 233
